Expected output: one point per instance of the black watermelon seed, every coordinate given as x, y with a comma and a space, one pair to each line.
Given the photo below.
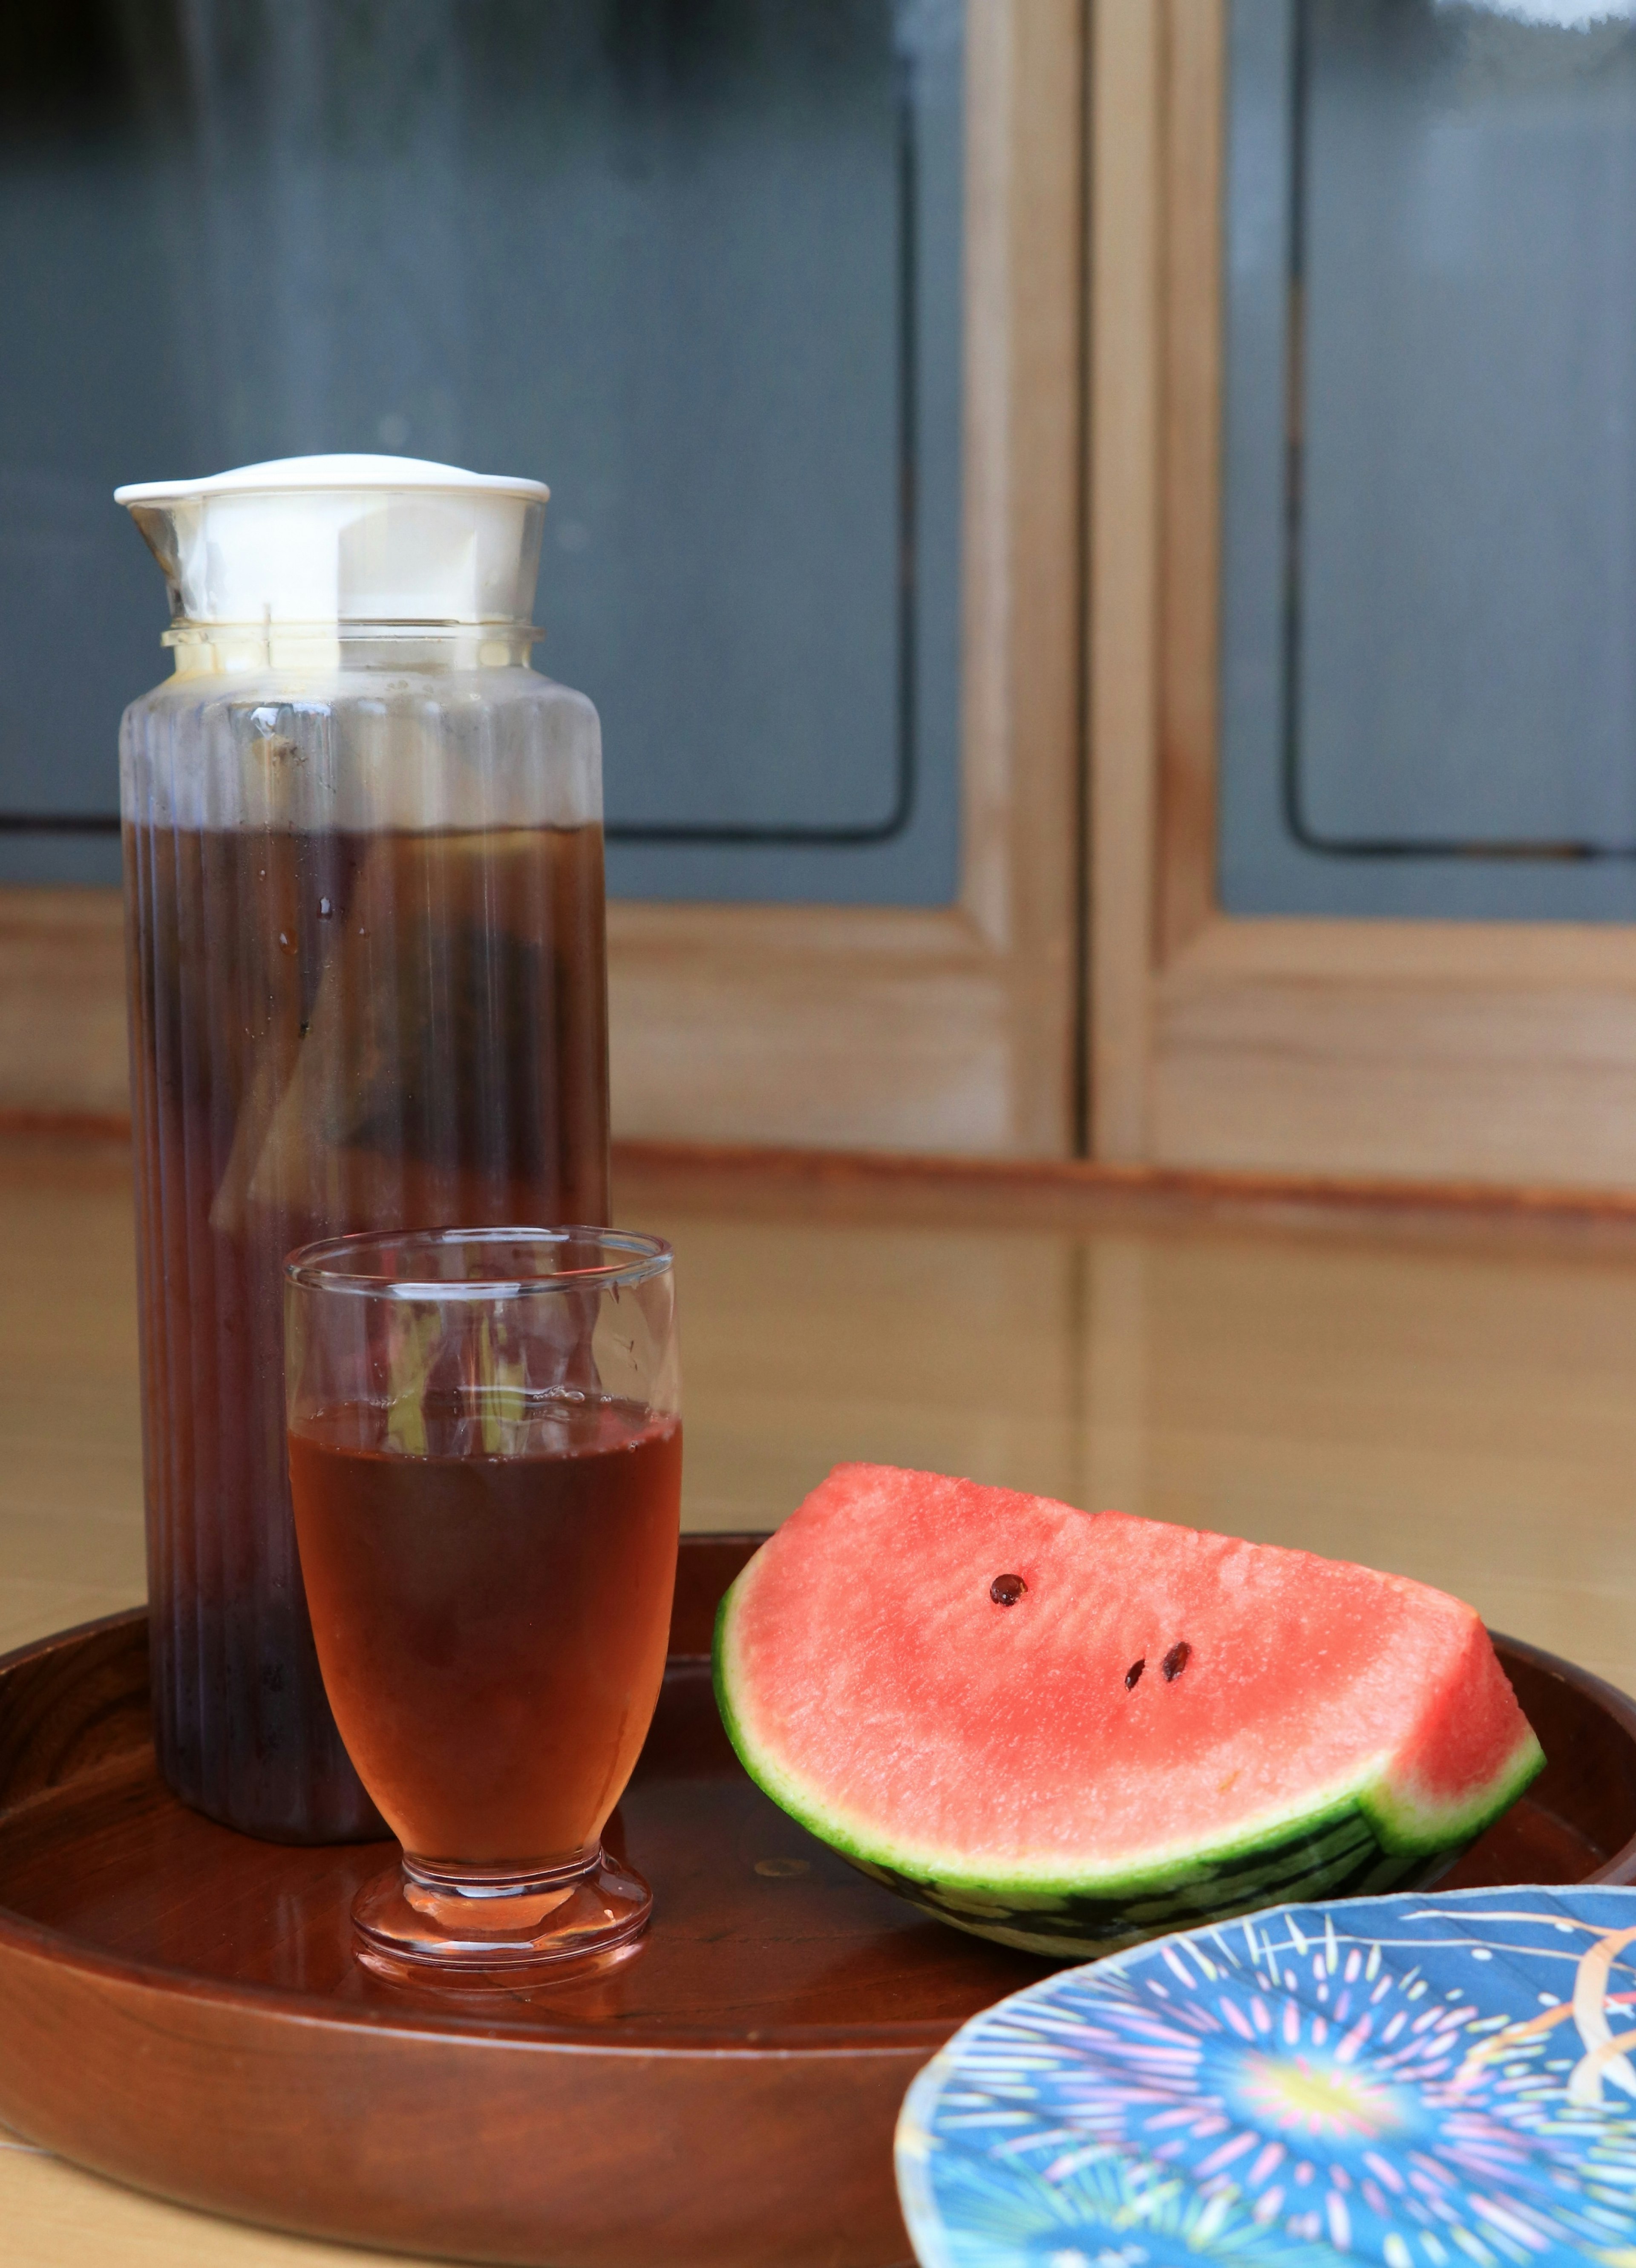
1134, 1672
1005, 1590
1176, 1660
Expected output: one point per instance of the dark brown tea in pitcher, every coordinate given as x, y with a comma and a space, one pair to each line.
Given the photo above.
331, 1031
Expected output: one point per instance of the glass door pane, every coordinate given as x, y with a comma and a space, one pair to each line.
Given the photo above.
698, 265
1429, 649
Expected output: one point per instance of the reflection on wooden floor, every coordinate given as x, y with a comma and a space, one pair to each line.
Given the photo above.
1454, 1401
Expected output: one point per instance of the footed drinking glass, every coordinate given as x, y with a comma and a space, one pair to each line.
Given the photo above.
485, 1464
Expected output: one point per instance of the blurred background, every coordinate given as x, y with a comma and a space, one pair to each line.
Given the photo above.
1102, 533
696, 265
1104, 536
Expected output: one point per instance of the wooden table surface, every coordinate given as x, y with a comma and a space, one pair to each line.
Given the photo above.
1450, 1398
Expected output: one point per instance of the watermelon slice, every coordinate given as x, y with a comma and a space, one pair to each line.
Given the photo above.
1069, 1731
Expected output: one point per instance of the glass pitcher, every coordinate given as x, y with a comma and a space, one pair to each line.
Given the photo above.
367, 989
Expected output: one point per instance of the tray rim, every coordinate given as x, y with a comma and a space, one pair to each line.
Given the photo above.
63, 1951
529, 2029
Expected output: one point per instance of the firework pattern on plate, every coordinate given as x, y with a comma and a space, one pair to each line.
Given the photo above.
1421, 2082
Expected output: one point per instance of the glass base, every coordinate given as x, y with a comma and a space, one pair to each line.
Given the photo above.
422, 1924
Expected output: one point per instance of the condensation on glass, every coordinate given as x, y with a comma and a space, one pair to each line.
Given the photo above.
365, 919
1429, 571
703, 261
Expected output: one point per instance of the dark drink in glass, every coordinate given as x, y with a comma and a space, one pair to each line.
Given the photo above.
492, 1627
485, 1459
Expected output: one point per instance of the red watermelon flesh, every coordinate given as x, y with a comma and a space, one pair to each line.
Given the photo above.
1162, 1723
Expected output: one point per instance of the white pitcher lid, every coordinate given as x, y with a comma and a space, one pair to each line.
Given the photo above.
317, 540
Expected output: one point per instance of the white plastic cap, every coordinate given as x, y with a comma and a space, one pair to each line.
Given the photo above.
344, 539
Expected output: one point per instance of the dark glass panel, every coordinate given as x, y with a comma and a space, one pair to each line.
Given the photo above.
695, 262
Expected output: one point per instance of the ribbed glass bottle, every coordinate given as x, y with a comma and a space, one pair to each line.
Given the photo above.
366, 957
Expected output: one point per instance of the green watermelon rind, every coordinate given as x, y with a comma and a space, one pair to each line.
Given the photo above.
1086, 1928
1401, 1826
1381, 1841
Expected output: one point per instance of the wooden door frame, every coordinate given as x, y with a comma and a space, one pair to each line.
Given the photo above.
954, 1029
951, 1029
1499, 1052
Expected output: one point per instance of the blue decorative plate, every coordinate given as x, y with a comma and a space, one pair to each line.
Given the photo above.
1427, 2082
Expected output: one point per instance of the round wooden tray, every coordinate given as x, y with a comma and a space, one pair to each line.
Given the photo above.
180, 2008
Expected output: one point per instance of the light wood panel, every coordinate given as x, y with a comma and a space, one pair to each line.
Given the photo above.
70, 1474
863, 1028
57, 2216
1503, 1052
62, 1001
1188, 315
1127, 113
1489, 1051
